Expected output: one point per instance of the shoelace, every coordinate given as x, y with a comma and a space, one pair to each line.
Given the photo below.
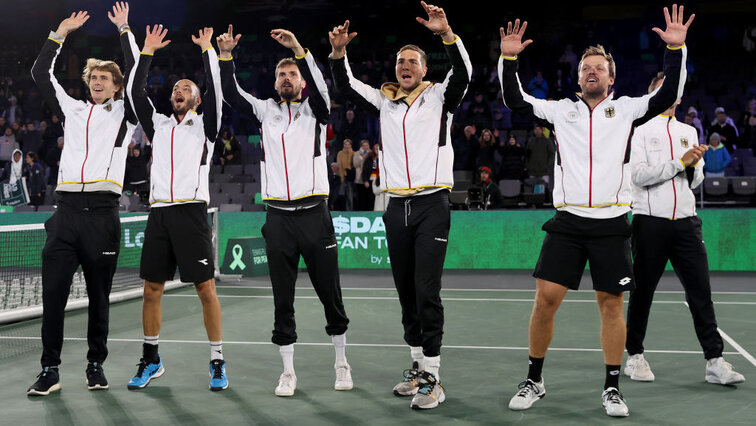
410, 374
44, 372
427, 385
217, 370
341, 373
614, 397
525, 387
141, 366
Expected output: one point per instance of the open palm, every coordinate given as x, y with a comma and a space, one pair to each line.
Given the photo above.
675, 33
511, 38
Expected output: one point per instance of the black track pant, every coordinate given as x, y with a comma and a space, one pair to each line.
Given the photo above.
85, 230
656, 240
309, 233
417, 230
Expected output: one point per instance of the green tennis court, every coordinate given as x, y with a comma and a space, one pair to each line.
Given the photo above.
484, 358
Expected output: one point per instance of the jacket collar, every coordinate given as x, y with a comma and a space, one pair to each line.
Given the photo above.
394, 93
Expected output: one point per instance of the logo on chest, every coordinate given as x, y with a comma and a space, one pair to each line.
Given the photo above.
655, 143
297, 115
278, 118
190, 123
684, 142
609, 112
108, 107
573, 116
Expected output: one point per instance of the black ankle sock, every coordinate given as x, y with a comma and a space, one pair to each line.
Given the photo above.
535, 366
612, 376
150, 352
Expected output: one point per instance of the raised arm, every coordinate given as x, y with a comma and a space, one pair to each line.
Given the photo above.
362, 95
319, 100
232, 92
138, 79
675, 72
458, 78
42, 70
120, 18
213, 97
515, 98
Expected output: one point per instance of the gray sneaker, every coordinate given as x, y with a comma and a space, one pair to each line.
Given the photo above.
409, 385
429, 394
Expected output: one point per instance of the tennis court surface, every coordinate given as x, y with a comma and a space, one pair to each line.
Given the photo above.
483, 359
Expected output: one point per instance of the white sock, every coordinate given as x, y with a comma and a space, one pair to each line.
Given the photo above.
151, 340
216, 350
287, 355
432, 365
339, 344
417, 355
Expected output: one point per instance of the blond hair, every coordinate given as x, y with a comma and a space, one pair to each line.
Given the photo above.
598, 50
107, 66
654, 81
285, 62
423, 56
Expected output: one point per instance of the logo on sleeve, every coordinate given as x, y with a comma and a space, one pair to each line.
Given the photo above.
684, 142
609, 112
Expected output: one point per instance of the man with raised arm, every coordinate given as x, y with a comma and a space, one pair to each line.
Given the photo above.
295, 186
177, 232
667, 162
591, 194
416, 170
85, 229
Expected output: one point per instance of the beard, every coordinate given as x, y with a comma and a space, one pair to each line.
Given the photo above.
289, 94
185, 107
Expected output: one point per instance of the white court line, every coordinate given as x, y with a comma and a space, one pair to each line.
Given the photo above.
475, 289
364, 345
741, 350
450, 299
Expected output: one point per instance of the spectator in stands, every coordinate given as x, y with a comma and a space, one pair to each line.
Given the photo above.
362, 186
696, 122
346, 173
486, 150
491, 192
748, 138
502, 116
35, 179
30, 139
569, 59
228, 148
8, 145
562, 87
717, 158
51, 131
465, 150
3, 123
15, 169
724, 125
13, 112
538, 87
136, 177
478, 113
511, 153
351, 128
335, 198
52, 159
380, 198
16, 127
539, 155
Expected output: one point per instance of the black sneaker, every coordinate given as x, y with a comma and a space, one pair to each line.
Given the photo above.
96, 376
47, 381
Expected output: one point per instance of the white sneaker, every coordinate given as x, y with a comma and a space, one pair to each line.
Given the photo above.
529, 393
614, 403
638, 369
720, 372
430, 393
343, 377
287, 383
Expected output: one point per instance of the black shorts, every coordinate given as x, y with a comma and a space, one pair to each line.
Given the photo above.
572, 240
178, 236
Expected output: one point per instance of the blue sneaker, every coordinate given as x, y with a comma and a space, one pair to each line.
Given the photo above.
145, 373
218, 379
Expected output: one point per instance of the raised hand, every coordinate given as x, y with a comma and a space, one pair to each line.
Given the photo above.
436, 20
511, 39
287, 39
227, 42
72, 23
339, 39
205, 38
675, 33
154, 39
120, 14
